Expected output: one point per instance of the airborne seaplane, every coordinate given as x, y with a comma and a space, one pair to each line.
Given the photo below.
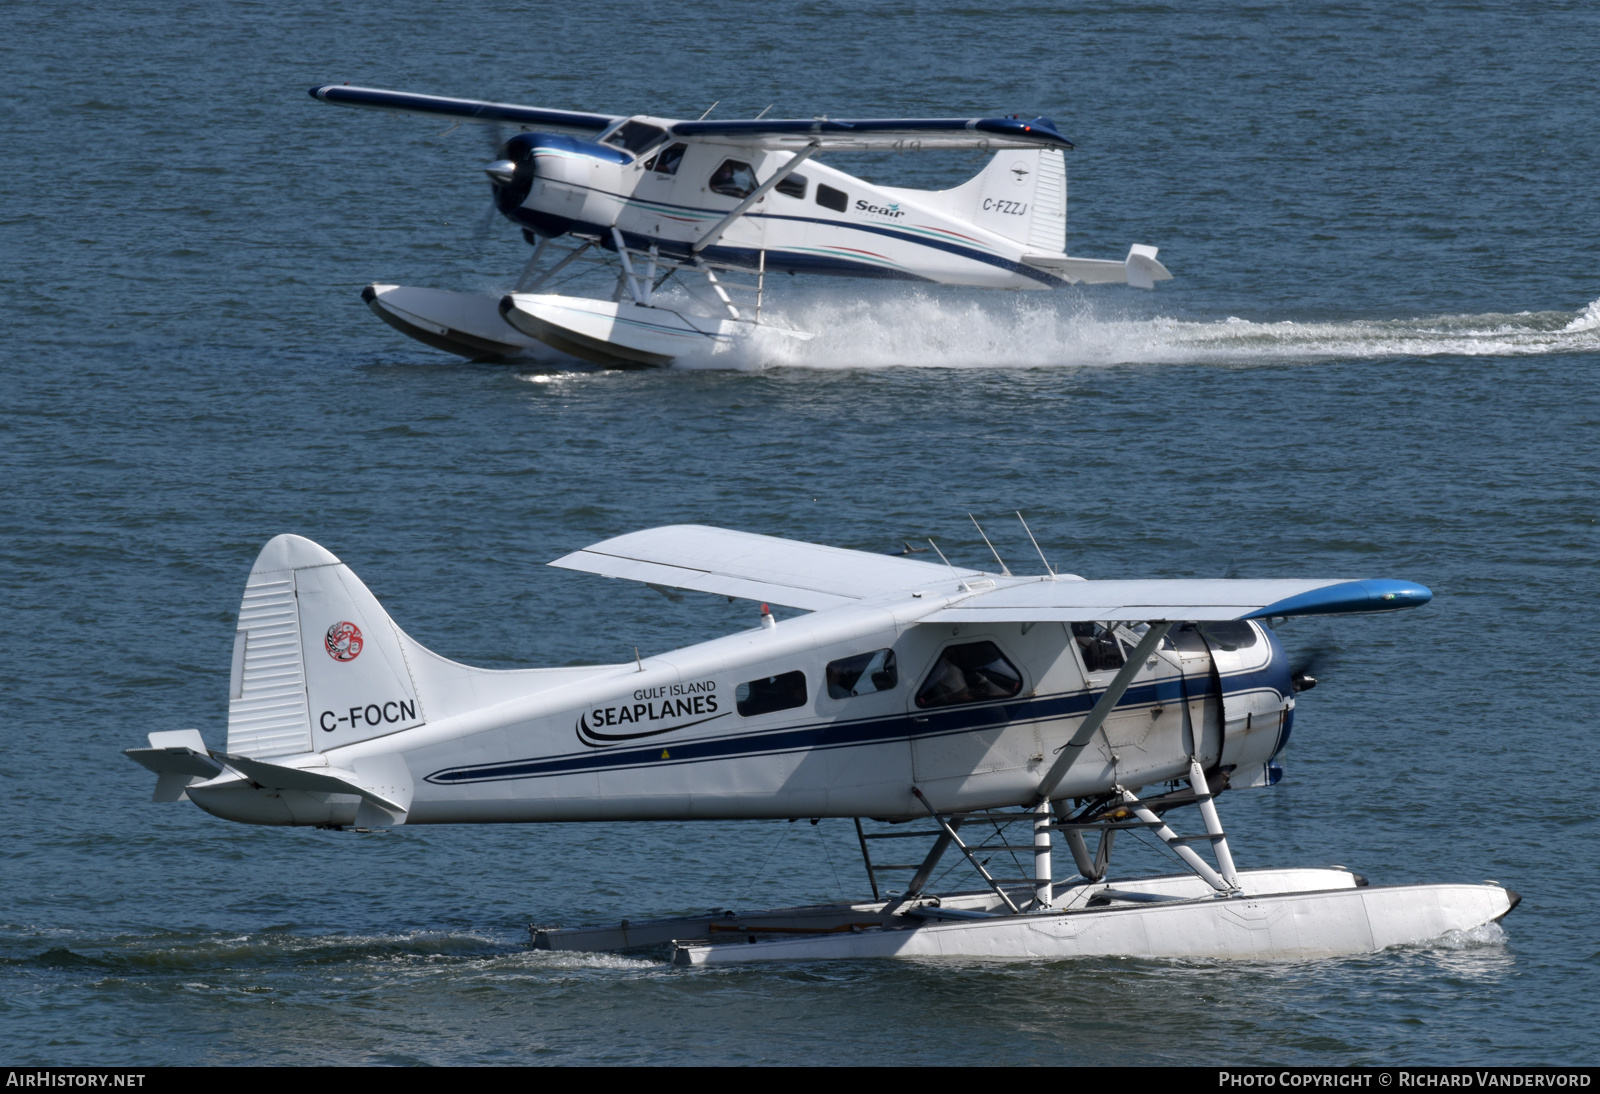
719, 205
937, 703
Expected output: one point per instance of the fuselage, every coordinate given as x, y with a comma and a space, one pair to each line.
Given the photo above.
836, 713
669, 194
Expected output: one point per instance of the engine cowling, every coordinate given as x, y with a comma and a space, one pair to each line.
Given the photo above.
554, 184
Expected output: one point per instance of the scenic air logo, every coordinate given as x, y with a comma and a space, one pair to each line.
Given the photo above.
343, 641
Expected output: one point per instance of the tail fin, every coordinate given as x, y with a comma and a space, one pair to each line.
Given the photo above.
317, 662
1021, 194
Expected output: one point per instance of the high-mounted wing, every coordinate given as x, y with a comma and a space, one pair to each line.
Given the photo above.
407, 103
899, 134
754, 567
1202, 600
812, 576
903, 134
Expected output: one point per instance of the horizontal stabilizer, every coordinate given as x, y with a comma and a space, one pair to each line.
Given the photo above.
1143, 269
754, 567
178, 757
394, 799
1140, 269
1201, 600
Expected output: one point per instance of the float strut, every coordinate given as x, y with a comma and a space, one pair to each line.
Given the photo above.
919, 880
1208, 811
872, 878
632, 279
524, 285
1043, 891
1170, 838
988, 878
1093, 868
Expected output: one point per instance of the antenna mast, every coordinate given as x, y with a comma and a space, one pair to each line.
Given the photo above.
965, 587
992, 551
1035, 542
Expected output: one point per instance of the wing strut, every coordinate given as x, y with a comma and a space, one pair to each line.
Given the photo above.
1102, 707
756, 195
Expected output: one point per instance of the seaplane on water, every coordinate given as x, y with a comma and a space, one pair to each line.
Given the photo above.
719, 205
962, 714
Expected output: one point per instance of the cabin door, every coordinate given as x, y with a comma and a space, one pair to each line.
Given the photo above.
961, 710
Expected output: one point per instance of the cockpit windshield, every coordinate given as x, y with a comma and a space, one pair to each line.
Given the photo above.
635, 137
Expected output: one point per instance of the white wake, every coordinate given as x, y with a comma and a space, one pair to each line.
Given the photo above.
925, 329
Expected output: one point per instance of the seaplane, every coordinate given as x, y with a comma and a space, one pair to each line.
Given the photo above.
973, 716
714, 206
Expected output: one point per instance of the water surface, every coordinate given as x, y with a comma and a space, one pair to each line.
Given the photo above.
1378, 357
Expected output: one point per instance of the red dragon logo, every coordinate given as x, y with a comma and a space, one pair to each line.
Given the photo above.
343, 641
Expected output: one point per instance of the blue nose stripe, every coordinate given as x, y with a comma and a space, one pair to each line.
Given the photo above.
1376, 595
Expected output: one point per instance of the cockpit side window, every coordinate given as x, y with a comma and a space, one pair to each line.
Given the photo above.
734, 178
862, 674
771, 693
794, 185
1098, 646
635, 137
969, 673
668, 160
1230, 634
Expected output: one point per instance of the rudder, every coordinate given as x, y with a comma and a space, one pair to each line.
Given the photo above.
317, 662
1021, 194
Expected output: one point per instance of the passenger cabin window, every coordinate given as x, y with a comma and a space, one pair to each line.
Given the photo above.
1098, 645
862, 674
969, 673
734, 178
635, 137
668, 160
770, 694
793, 185
829, 198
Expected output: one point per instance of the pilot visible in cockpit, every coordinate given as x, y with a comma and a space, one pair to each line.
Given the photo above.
1098, 647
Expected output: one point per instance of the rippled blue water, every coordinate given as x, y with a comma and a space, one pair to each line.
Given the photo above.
1379, 356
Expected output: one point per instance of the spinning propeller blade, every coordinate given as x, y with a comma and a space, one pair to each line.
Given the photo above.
1311, 665
495, 132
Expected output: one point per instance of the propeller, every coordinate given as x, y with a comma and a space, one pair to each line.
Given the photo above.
497, 139
1311, 665
499, 171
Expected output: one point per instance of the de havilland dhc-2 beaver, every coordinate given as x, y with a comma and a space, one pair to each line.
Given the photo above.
934, 702
719, 205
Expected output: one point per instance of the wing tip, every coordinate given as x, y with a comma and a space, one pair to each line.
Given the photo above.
1351, 598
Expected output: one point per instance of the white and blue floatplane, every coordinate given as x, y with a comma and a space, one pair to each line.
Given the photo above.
942, 706
719, 205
